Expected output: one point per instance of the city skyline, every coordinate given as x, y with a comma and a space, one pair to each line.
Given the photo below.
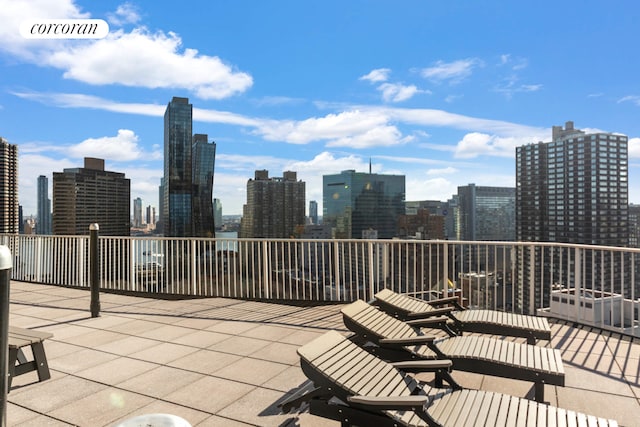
437, 92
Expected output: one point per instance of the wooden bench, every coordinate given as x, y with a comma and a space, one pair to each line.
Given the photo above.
18, 363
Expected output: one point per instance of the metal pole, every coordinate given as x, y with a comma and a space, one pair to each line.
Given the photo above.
94, 269
5, 281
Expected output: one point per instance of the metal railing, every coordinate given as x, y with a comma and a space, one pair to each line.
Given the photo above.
590, 284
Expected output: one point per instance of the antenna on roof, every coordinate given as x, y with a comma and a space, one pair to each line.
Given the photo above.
369, 165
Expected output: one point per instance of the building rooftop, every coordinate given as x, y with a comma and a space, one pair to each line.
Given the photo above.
217, 361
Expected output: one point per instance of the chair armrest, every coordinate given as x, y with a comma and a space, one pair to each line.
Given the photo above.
447, 300
429, 321
430, 313
401, 342
390, 402
424, 365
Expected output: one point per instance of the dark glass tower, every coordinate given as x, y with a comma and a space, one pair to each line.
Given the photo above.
357, 202
43, 226
177, 188
204, 156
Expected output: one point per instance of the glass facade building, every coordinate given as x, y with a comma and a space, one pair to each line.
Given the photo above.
43, 224
486, 213
177, 186
356, 202
204, 155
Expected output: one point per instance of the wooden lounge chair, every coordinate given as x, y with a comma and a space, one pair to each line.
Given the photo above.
18, 363
480, 321
397, 340
356, 388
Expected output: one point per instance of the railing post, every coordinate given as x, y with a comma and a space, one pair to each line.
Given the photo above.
266, 261
5, 282
445, 268
94, 268
372, 266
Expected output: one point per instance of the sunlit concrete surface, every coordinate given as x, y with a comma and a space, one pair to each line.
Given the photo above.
225, 362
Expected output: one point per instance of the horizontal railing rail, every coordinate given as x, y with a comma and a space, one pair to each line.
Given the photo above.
590, 284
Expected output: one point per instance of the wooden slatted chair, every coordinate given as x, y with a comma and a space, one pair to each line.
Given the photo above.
354, 387
20, 338
492, 322
398, 340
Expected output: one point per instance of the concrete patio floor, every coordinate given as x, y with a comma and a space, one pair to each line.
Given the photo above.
224, 362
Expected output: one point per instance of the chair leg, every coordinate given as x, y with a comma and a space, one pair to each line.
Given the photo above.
13, 357
539, 391
40, 358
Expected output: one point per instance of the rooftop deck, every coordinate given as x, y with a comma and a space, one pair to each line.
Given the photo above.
216, 361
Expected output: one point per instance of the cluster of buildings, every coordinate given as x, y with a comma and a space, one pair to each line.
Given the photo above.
572, 189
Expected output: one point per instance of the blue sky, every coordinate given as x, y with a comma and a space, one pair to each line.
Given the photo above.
439, 91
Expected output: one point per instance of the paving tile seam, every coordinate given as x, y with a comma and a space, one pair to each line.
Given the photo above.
40, 413
158, 365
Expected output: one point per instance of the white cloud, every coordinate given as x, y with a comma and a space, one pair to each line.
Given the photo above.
515, 64
13, 13
430, 189
476, 144
444, 171
634, 148
380, 136
377, 75
452, 98
143, 59
635, 99
136, 58
397, 92
358, 127
453, 72
126, 13
122, 147
354, 125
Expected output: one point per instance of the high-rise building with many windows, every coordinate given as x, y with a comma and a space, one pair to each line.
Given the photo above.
486, 213
9, 206
177, 184
137, 212
204, 155
43, 223
87, 195
357, 202
573, 189
313, 212
275, 206
186, 190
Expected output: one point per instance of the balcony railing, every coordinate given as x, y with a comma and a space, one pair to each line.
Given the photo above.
589, 284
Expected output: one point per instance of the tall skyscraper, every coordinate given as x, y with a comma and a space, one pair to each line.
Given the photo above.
486, 213
204, 156
151, 215
82, 196
356, 202
217, 213
137, 212
9, 206
177, 184
313, 212
43, 223
275, 206
573, 189
186, 203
